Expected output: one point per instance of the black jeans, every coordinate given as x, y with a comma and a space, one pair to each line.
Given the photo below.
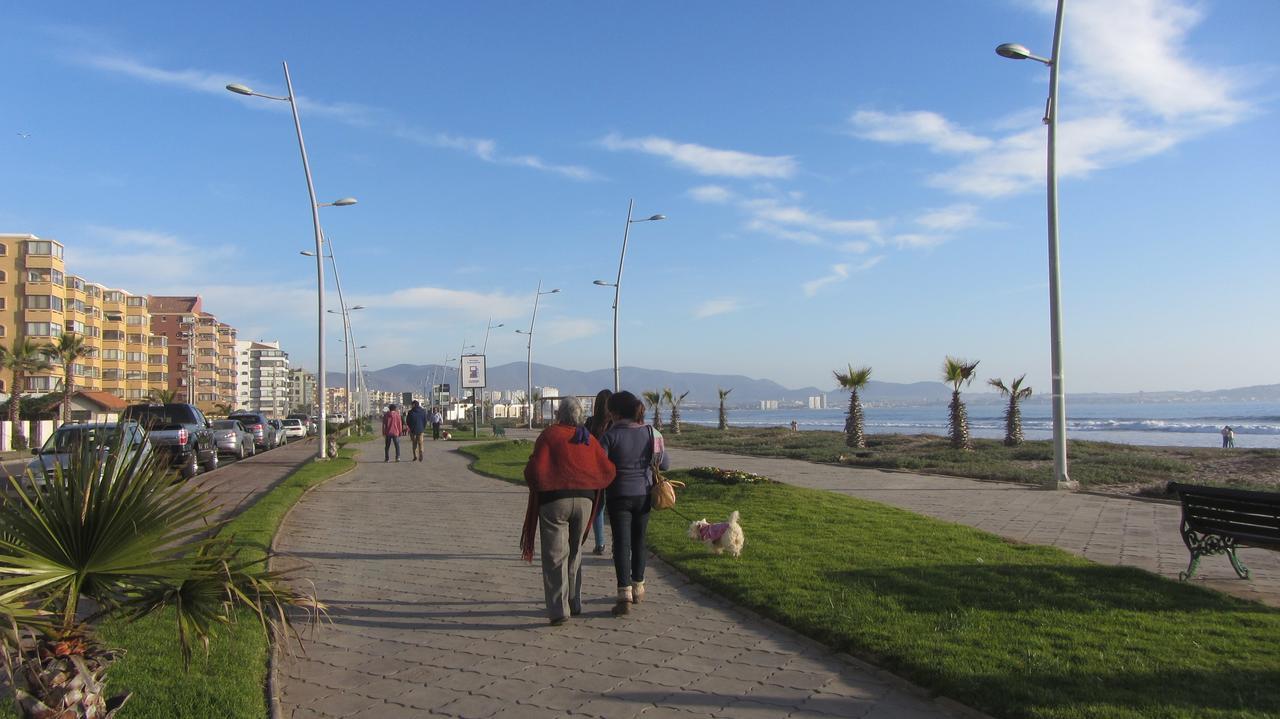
386, 447
629, 520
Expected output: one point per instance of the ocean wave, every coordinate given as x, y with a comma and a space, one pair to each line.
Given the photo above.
1076, 425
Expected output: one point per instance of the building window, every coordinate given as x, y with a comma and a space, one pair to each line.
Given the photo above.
113, 296
135, 320
135, 357
43, 329
137, 302
2, 332
44, 302
45, 248
3, 277
4, 250
41, 384
115, 355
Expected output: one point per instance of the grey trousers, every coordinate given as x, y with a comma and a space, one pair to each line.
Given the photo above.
562, 524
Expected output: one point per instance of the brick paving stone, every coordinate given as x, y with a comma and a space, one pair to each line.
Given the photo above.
432, 612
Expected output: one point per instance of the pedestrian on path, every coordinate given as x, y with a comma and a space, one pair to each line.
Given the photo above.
392, 426
597, 424
436, 421
632, 447
416, 419
1228, 437
566, 475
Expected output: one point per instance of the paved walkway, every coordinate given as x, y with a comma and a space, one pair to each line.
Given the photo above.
433, 613
1105, 529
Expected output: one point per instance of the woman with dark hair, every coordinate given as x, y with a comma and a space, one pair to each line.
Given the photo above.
633, 447
597, 424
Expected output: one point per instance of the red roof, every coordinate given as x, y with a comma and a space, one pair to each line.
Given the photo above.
173, 305
105, 400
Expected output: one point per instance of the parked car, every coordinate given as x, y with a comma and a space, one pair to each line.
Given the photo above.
232, 438
307, 421
264, 435
179, 430
70, 439
281, 438
294, 428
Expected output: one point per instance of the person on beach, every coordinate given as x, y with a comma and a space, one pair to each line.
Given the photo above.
392, 426
632, 447
1228, 437
566, 474
436, 421
597, 424
416, 419
795, 427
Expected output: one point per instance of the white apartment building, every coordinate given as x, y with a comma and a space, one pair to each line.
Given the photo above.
302, 390
262, 378
818, 402
768, 404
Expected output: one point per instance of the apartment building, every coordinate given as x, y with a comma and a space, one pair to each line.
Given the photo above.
302, 391
40, 302
262, 378
202, 356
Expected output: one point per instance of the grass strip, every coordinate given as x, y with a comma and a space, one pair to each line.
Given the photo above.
499, 460
229, 681
1014, 630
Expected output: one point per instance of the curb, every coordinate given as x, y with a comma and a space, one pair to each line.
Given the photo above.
273, 654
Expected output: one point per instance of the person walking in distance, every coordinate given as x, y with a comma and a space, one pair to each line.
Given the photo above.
633, 447
1228, 437
416, 419
566, 474
392, 426
436, 421
597, 424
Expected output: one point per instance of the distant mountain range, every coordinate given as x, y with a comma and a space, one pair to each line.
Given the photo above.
747, 391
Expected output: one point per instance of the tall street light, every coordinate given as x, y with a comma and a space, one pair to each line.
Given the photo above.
617, 285
484, 349
528, 397
291, 98
1018, 52
347, 350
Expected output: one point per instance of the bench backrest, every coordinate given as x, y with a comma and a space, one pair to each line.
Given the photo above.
1250, 517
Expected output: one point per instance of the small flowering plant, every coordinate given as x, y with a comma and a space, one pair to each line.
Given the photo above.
728, 476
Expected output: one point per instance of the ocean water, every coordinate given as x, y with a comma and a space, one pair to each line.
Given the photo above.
1256, 424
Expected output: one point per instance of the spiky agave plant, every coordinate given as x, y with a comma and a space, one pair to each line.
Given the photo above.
854, 380
114, 536
654, 400
724, 416
673, 400
958, 372
1013, 413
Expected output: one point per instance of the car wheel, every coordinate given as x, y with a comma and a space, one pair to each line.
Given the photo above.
212, 464
240, 453
191, 467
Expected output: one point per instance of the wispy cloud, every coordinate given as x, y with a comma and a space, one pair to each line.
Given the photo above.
917, 127
950, 218
713, 194
353, 114
711, 308
555, 330
915, 241
132, 258
839, 273
469, 302
705, 160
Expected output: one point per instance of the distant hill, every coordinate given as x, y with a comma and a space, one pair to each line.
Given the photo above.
748, 391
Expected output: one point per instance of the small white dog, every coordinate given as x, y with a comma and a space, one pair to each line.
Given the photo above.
720, 537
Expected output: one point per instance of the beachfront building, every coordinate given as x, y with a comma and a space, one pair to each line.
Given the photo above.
818, 402
202, 356
39, 301
768, 404
262, 378
302, 391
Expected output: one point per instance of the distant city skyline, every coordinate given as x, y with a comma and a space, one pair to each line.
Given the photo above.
845, 183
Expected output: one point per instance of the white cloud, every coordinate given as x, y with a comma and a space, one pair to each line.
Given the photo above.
771, 211
713, 194
922, 127
131, 259
478, 304
912, 241
857, 247
721, 306
564, 329
802, 237
839, 273
705, 160
950, 218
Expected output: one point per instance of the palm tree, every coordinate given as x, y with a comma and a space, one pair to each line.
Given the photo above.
22, 359
164, 396
670, 398
1013, 415
958, 372
724, 416
67, 351
113, 536
223, 409
854, 380
654, 399
536, 407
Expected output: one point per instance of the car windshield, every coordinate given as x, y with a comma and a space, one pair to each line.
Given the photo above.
226, 424
247, 419
69, 439
161, 416
293, 423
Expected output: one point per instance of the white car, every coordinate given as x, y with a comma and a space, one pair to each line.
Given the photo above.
294, 428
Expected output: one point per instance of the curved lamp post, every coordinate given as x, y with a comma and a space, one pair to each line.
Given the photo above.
1013, 51
483, 350
528, 397
617, 285
291, 98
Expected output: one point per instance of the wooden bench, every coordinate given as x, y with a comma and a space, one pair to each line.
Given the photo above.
1216, 520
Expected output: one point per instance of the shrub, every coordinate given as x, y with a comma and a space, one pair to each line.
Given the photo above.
728, 476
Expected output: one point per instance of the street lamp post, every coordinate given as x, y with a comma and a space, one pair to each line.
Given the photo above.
484, 350
291, 98
617, 286
1061, 480
528, 397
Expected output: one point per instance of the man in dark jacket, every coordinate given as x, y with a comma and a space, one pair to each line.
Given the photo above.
417, 421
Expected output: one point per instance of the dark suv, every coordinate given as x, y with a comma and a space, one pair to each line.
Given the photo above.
179, 430
264, 435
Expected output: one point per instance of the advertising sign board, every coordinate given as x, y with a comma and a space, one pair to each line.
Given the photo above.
473, 371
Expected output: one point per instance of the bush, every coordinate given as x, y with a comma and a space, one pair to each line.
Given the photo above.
728, 476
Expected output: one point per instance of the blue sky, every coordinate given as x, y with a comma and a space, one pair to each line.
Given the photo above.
845, 182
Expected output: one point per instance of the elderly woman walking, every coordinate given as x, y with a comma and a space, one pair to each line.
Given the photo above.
566, 475
633, 447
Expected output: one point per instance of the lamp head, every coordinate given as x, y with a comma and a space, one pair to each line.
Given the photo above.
307, 253
655, 218
602, 283
1013, 51
358, 307
345, 201
552, 292
239, 89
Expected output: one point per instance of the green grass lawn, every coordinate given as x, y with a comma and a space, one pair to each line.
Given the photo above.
1014, 630
229, 681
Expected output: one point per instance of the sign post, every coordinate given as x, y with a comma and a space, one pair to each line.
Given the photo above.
473, 378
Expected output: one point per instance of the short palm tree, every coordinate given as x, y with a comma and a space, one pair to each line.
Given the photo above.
724, 416
22, 359
114, 536
654, 399
854, 380
535, 398
223, 409
164, 396
1013, 415
69, 349
674, 401
958, 372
